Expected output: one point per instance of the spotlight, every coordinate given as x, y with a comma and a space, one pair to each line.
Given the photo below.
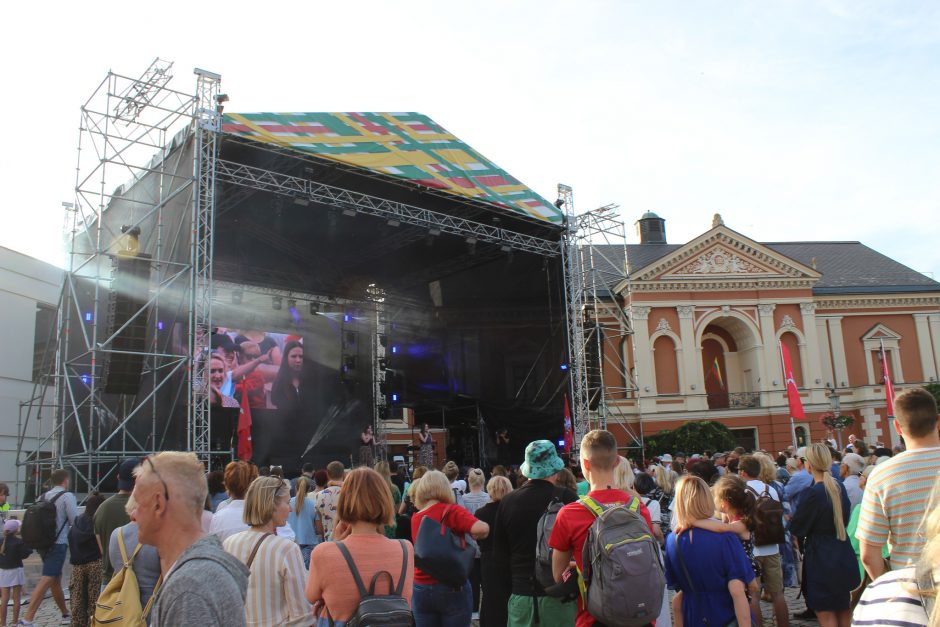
564, 366
505, 248
276, 302
88, 316
561, 444
471, 240
347, 317
394, 397
560, 203
291, 304
349, 211
303, 202
159, 325
86, 379
394, 350
314, 309
221, 98
393, 222
237, 297
434, 231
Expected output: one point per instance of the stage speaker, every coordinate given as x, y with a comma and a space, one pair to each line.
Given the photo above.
130, 290
594, 362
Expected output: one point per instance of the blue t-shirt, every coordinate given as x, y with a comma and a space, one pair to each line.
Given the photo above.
712, 559
303, 525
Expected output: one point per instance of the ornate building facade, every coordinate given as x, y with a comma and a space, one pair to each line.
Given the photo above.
709, 316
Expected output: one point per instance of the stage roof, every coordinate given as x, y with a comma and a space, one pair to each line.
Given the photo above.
408, 146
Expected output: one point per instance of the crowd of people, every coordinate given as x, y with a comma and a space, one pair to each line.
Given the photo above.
858, 530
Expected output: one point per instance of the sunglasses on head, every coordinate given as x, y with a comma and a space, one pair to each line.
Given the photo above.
153, 469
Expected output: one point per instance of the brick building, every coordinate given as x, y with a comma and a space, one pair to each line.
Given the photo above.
709, 314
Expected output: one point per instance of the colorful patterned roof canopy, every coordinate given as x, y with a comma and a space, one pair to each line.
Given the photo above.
410, 146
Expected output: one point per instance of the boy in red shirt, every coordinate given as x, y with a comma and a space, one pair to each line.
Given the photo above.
598, 460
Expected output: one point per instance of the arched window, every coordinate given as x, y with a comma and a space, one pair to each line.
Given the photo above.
664, 361
793, 346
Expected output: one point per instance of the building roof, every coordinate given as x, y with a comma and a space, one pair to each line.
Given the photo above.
408, 146
846, 267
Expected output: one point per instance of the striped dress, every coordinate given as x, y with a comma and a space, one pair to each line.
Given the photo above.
894, 502
276, 584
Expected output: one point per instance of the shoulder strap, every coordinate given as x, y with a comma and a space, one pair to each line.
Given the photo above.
404, 569
254, 551
55, 498
127, 562
593, 506
352, 568
64, 522
153, 597
685, 570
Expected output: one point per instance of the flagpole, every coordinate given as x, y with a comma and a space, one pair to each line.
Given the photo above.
783, 370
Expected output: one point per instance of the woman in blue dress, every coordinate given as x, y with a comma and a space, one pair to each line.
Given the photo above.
830, 571
709, 570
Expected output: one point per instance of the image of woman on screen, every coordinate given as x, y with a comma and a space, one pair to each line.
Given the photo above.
266, 343
287, 392
217, 376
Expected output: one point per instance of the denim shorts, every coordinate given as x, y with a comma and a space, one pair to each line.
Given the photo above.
53, 560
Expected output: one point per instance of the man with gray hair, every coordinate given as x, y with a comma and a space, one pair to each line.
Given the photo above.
850, 472
202, 584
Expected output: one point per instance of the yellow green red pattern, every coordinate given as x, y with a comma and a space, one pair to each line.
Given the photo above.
409, 146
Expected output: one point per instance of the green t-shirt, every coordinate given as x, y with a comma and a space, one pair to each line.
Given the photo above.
111, 515
850, 532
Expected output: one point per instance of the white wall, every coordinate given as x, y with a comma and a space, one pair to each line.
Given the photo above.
24, 283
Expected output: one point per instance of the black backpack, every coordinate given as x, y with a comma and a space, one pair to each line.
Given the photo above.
543, 552
39, 529
768, 518
379, 610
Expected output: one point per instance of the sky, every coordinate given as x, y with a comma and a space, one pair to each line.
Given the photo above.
797, 120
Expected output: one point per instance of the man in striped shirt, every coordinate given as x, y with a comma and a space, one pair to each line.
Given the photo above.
898, 490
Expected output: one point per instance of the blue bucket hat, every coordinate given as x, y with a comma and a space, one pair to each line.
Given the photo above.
541, 460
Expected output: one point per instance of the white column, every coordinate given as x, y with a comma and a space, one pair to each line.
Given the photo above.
693, 381
645, 371
840, 370
927, 363
772, 368
822, 332
933, 321
812, 378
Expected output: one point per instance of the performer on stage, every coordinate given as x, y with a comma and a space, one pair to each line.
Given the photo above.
503, 456
366, 447
426, 452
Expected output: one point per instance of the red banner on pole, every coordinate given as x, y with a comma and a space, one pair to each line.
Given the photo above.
569, 432
889, 387
793, 393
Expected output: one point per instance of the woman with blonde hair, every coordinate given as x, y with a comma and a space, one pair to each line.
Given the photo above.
709, 570
624, 478
437, 603
275, 585
303, 519
898, 596
830, 571
363, 509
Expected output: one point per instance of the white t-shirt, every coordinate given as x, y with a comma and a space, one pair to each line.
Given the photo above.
759, 487
892, 600
656, 512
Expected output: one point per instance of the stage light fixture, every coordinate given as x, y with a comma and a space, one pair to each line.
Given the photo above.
434, 231
291, 304
88, 316
222, 98
276, 302
394, 397
303, 202
560, 202
564, 366
237, 297
349, 211
86, 379
561, 443
314, 309
159, 325
505, 248
383, 364
394, 350
471, 240
393, 222
347, 318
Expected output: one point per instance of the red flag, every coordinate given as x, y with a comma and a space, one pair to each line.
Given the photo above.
569, 432
793, 393
244, 447
889, 387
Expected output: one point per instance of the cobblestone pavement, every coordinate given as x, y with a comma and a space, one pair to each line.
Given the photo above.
48, 615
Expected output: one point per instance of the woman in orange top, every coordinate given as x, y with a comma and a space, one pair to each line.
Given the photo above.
438, 604
363, 509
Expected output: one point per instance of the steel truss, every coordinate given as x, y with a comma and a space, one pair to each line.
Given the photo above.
599, 329
131, 128
357, 202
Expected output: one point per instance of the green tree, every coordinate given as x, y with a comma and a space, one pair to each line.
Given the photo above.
933, 388
691, 437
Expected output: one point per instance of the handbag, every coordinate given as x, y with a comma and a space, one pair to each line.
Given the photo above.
733, 622
441, 553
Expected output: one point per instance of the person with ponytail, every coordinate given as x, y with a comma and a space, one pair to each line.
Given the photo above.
830, 572
302, 519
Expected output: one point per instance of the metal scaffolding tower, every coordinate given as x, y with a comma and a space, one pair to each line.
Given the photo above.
133, 129
599, 325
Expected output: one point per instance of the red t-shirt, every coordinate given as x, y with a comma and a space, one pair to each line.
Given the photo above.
571, 530
459, 519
